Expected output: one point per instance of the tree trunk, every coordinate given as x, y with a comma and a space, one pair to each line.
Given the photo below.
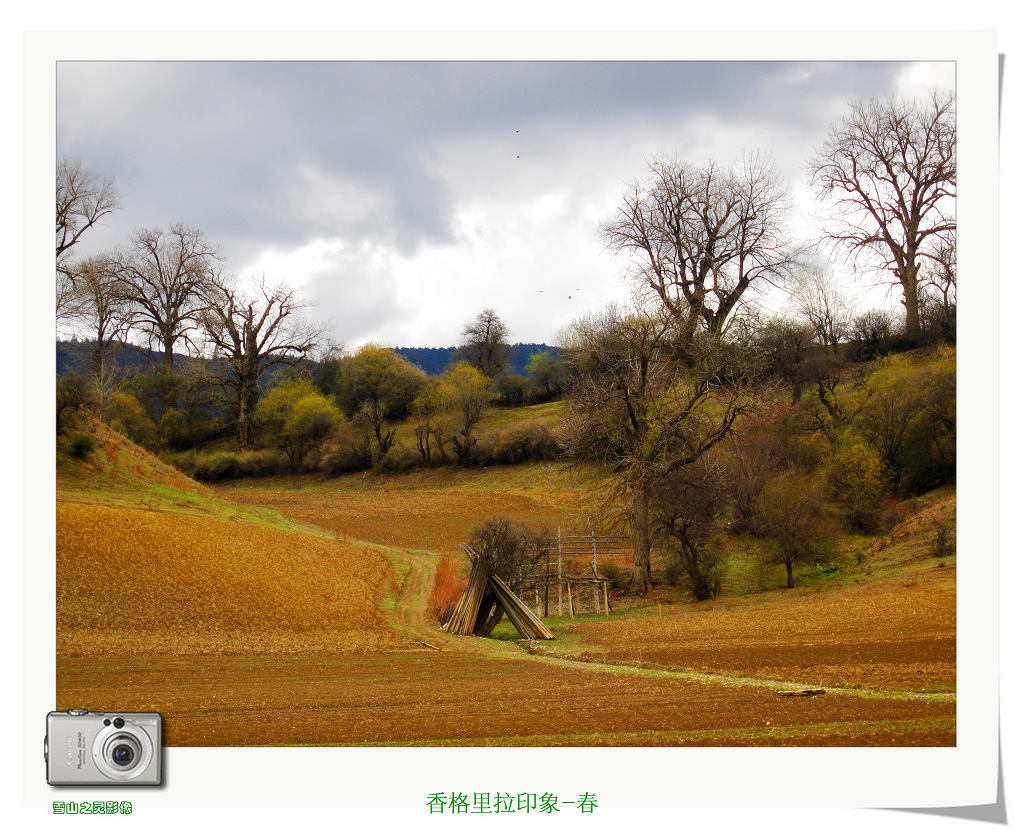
99, 372
244, 417
641, 540
168, 354
170, 384
908, 279
789, 574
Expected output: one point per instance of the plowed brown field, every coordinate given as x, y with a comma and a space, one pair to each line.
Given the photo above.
131, 581
247, 634
421, 519
897, 634
459, 698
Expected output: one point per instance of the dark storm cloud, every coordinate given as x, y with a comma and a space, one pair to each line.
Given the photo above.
236, 147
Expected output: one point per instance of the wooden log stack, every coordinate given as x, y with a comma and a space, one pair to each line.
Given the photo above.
483, 603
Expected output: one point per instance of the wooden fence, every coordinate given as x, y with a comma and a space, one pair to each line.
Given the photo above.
570, 568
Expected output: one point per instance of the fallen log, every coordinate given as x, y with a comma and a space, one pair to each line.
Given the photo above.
814, 691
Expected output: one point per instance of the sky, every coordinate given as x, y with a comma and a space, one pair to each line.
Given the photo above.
402, 198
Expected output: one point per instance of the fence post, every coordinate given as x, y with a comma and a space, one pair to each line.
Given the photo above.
593, 562
547, 578
559, 571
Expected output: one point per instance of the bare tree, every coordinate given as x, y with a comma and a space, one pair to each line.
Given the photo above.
890, 167
250, 332
753, 456
106, 315
690, 505
166, 276
938, 289
645, 404
701, 237
821, 301
82, 200
485, 343
784, 344
873, 330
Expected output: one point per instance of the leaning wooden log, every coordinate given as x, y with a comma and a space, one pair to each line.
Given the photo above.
485, 600
526, 622
464, 617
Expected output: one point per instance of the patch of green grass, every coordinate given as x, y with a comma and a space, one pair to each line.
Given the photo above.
768, 735
162, 498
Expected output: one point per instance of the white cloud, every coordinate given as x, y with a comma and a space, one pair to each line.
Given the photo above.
918, 79
404, 198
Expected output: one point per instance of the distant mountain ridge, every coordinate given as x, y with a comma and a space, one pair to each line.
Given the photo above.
433, 360
74, 356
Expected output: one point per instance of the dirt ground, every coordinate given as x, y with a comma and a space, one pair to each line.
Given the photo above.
133, 581
422, 519
454, 698
244, 634
893, 634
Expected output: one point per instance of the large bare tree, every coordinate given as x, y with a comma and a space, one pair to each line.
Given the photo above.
83, 198
250, 331
701, 237
646, 401
485, 343
166, 276
889, 167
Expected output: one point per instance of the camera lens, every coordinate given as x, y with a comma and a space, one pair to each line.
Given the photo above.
123, 751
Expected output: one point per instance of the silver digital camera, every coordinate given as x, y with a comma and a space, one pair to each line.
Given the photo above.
94, 748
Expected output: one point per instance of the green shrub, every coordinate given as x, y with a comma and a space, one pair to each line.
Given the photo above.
511, 388
399, 459
701, 571
221, 465
75, 396
185, 461
125, 414
529, 444
298, 419
944, 542
856, 477
534, 443
228, 465
81, 446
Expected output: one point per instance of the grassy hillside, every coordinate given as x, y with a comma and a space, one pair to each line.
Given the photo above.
149, 560
120, 473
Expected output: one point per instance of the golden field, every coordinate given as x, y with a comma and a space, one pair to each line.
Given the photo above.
132, 581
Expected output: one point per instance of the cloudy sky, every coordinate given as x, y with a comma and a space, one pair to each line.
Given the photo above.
403, 198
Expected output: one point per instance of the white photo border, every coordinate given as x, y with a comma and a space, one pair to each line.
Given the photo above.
636, 777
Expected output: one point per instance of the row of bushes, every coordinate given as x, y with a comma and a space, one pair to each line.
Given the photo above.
228, 465
344, 453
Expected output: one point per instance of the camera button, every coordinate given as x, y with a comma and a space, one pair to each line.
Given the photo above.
78, 712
